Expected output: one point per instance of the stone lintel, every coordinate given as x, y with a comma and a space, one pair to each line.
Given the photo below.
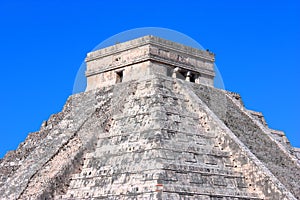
152, 58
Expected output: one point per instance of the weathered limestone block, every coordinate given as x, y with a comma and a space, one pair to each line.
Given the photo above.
146, 56
161, 132
257, 137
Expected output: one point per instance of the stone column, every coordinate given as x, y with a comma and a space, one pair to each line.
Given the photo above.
175, 71
188, 76
197, 78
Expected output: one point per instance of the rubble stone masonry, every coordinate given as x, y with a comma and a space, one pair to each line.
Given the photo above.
152, 126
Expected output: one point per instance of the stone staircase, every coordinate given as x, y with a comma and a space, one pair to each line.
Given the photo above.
158, 146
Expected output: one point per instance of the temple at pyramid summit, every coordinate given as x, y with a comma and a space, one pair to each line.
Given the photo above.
151, 125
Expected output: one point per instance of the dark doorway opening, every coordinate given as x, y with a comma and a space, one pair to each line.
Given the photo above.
192, 78
181, 75
119, 76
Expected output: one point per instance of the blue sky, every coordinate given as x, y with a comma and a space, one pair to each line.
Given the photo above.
43, 43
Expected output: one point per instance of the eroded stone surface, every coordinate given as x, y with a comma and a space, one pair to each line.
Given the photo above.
146, 56
157, 136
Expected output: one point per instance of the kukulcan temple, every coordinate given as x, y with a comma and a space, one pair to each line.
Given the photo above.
151, 125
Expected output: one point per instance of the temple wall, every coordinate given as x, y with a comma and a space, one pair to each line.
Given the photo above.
163, 55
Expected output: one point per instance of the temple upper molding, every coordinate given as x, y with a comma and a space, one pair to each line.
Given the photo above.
148, 55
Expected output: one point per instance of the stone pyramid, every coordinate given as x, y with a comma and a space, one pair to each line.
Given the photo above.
150, 125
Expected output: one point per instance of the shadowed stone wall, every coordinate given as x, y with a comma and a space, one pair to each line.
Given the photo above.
255, 135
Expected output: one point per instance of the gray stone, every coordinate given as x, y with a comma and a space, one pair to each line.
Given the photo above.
159, 130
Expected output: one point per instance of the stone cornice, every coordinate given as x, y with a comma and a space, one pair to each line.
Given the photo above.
150, 40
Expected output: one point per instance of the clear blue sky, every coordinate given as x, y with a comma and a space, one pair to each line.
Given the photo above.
42, 44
